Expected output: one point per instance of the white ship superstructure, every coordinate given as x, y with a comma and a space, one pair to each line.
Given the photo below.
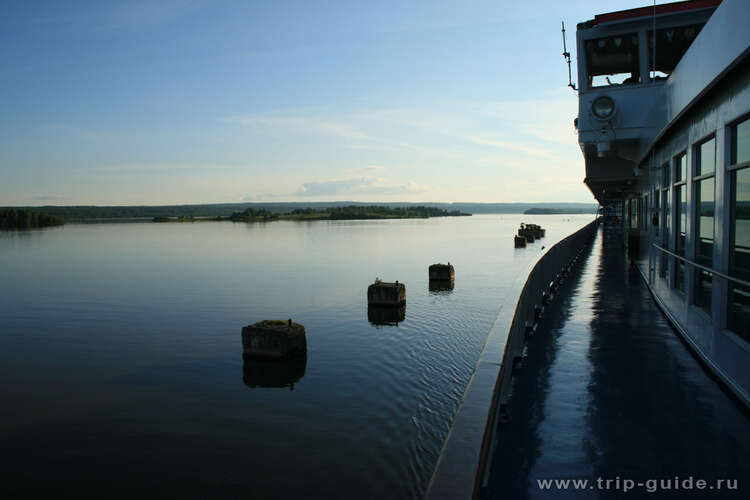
664, 127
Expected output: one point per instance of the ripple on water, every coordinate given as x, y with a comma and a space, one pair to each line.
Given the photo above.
140, 325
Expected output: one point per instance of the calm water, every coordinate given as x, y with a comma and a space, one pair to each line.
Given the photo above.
122, 372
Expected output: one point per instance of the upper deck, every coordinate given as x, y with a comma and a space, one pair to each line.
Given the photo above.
624, 60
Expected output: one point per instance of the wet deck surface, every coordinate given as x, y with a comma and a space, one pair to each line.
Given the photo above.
611, 392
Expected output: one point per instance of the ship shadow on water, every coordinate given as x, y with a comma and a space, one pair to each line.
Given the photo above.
386, 315
273, 373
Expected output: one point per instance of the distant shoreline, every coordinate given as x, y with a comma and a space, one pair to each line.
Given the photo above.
557, 211
145, 213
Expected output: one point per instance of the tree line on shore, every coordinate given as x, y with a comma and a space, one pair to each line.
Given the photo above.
78, 213
20, 218
346, 213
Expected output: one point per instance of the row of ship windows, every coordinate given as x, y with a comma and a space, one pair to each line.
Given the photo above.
704, 196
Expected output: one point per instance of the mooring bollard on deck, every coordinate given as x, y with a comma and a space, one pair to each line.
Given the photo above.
274, 339
382, 293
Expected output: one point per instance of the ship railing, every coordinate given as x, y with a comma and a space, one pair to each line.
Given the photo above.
701, 266
461, 471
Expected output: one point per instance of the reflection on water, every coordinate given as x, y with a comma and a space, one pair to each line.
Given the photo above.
373, 408
386, 315
273, 373
441, 285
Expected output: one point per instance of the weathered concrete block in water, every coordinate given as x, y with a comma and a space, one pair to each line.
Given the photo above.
381, 293
519, 241
441, 285
536, 229
386, 315
274, 339
526, 233
444, 272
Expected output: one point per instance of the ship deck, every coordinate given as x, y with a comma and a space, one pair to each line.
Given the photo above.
610, 391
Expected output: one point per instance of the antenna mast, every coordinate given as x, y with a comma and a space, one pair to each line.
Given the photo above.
566, 55
653, 59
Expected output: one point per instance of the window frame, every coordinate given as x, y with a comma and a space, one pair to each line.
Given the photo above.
695, 183
679, 183
731, 172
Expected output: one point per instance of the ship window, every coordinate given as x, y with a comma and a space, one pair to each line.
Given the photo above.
741, 143
665, 175
680, 208
671, 45
657, 210
613, 60
705, 158
680, 167
738, 315
704, 253
666, 216
634, 214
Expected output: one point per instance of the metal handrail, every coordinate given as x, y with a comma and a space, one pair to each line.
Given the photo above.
699, 266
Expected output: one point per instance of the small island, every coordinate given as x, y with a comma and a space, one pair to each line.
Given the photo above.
180, 218
351, 212
559, 211
20, 218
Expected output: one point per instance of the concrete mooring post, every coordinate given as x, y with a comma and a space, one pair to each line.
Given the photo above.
382, 293
274, 339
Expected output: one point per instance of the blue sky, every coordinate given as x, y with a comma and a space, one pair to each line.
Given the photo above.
187, 101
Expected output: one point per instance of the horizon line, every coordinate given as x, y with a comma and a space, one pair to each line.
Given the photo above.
317, 202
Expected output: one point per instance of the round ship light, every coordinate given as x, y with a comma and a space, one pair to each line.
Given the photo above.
603, 107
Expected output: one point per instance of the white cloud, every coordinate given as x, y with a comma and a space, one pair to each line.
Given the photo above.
364, 186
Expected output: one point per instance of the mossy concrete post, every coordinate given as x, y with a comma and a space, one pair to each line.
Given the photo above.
526, 233
382, 293
274, 339
442, 272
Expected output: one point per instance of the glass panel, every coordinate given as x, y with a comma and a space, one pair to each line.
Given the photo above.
680, 167
664, 260
681, 208
671, 44
706, 158
738, 315
704, 253
665, 175
613, 60
741, 143
667, 215
657, 212
633, 214
680, 235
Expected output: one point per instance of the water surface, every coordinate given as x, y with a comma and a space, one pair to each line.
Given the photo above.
122, 369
